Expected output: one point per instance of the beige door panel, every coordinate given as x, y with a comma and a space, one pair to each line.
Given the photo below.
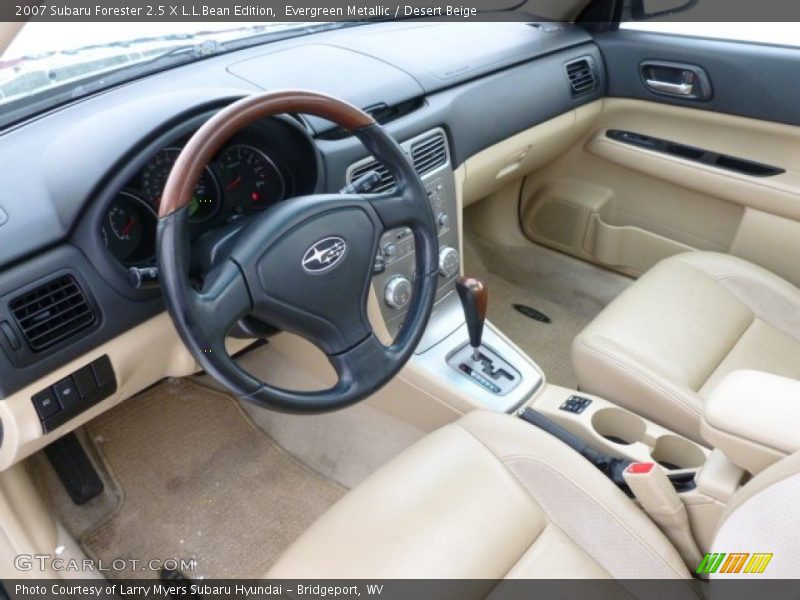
778, 194
627, 208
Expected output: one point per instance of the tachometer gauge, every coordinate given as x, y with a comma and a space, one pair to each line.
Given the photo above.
249, 178
129, 229
206, 199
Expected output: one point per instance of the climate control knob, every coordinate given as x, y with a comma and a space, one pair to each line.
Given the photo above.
449, 261
397, 292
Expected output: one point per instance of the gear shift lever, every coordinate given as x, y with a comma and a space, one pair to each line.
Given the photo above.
474, 298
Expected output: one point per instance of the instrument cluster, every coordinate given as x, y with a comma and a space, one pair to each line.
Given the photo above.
245, 177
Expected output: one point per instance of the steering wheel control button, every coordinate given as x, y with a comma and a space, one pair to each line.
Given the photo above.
390, 250
398, 292
443, 220
379, 266
46, 404
324, 255
449, 261
67, 393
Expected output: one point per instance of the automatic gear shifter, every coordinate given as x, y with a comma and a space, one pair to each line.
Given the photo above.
474, 298
477, 361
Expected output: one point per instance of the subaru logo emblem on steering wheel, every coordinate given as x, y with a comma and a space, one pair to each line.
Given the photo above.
324, 254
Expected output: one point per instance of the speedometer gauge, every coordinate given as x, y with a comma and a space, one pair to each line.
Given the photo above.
250, 179
129, 229
206, 199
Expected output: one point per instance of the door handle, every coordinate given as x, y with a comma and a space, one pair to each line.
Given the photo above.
665, 87
688, 82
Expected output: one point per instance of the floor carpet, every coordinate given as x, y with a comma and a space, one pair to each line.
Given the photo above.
569, 291
199, 481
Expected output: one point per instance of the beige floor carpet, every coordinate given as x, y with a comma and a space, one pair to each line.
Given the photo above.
200, 481
569, 291
345, 445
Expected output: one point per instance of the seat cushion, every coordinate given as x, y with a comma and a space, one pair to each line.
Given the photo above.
487, 497
661, 346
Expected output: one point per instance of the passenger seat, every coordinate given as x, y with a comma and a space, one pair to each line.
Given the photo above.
663, 344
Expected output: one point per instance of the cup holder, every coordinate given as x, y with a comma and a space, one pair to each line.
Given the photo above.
618, 425
674, 452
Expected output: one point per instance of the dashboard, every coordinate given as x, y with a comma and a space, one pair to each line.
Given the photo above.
83, 183
265, 164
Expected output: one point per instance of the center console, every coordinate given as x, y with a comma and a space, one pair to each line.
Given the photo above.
497, 376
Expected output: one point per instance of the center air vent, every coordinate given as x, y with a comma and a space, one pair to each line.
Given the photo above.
582, 76
428, 152
52, 312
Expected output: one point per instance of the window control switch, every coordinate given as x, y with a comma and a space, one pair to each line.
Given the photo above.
575, 404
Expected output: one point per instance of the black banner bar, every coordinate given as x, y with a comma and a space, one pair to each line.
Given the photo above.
393, 589
351, 10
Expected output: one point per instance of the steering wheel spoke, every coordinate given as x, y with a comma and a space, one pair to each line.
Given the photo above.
395, 209
361, 368
224, 299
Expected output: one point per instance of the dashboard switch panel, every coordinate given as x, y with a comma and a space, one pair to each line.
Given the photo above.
394, 271
75, 393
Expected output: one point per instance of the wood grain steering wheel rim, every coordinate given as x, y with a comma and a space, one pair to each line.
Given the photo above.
208, 140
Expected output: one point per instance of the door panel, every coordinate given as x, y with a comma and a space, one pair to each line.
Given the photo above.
747, 79
704, 186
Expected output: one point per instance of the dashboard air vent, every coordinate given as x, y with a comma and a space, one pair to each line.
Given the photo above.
582, 76
427, 154
386, 182
52, 312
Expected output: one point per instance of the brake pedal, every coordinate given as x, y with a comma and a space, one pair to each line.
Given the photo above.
74, 469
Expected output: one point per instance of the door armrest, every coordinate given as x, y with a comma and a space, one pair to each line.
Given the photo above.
754, 418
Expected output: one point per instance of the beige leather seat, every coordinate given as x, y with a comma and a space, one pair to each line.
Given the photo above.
491, 496
664, 343
486, 497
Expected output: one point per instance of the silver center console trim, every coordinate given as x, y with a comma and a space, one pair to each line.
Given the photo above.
395, 256
434, 360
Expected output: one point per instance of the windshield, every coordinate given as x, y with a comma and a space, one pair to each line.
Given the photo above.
48, 63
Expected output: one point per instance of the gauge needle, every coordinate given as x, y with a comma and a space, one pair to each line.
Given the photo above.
234, 183
128, 226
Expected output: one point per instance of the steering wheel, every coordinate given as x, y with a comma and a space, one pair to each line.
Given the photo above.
304, 265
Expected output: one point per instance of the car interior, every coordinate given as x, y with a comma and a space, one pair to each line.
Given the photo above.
410, 299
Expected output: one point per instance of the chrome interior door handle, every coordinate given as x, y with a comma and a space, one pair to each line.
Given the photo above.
665, 87
679, 80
